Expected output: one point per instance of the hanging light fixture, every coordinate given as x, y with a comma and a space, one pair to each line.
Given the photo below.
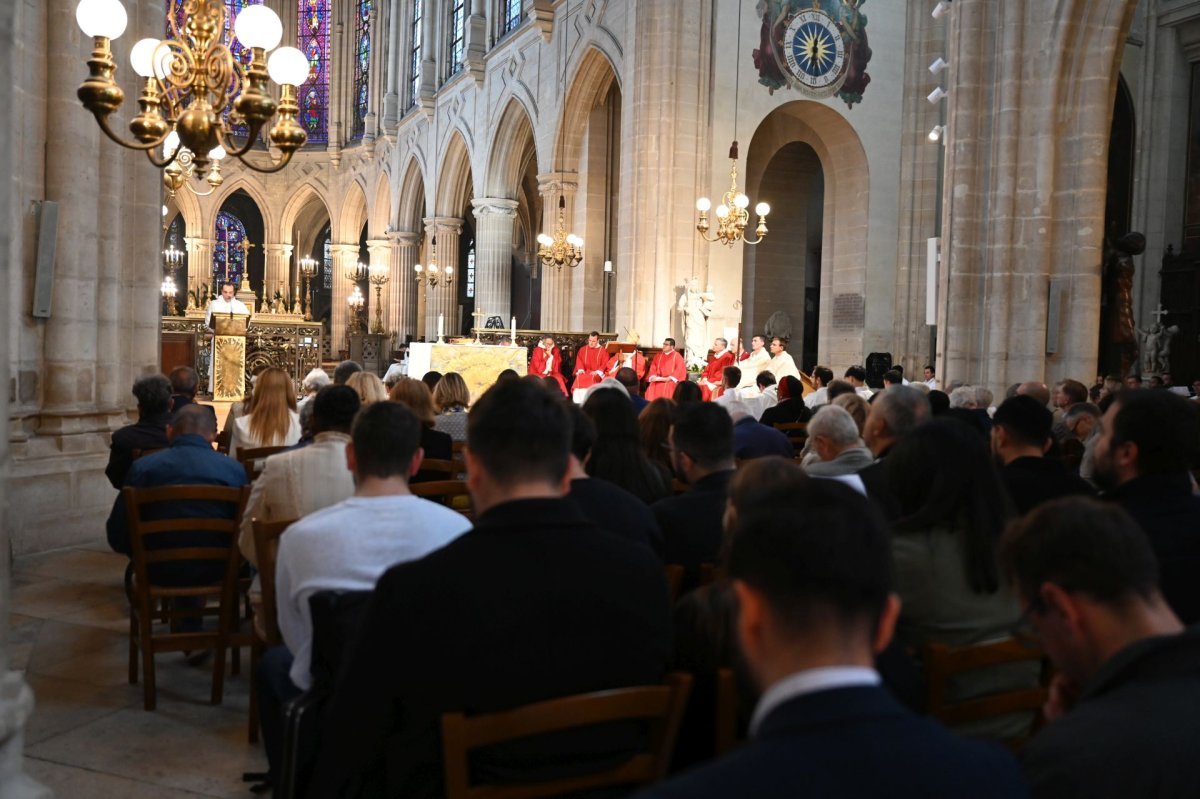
428, 275
732, 216
562, 248
195, 90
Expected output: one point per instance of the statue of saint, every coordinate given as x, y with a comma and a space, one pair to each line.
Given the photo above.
1122, 331
695, 306
1156, 348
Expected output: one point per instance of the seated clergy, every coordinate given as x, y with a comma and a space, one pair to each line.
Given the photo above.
1122, 716
591, 364
710, 381
812, 572
666, 371
546, 361
535, 602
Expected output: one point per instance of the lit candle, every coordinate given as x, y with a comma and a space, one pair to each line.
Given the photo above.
514, 331
440, 323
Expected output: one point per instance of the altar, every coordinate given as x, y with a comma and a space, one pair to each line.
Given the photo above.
478, 364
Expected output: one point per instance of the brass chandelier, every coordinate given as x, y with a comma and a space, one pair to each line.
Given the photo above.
732, 216
195, 91
563, 248
428, 275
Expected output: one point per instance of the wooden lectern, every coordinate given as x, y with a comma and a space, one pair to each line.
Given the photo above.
229, 356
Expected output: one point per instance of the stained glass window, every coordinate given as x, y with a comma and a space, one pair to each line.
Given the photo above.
229, 258
458, 34
328, 264
362, 64
510, 15
414, 53
314, 94
175, 11
471, 271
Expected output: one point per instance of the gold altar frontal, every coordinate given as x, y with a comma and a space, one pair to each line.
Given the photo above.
478, 364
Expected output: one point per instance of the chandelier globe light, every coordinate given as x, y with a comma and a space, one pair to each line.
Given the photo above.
563, 248
195, 93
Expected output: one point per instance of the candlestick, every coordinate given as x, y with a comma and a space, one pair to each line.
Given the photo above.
514, 331
441, 329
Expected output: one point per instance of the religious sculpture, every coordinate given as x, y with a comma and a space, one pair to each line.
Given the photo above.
1122, 331
1156, 348
778, 324
695, 307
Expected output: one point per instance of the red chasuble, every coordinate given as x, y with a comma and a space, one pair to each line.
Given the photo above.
544, 365
589, 362
669, 365
637, 364
710, 381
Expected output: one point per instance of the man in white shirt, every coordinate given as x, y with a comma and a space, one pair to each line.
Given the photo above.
730, 377
347, 546
755, 362
822, 376
930, 379
781, 364
225, 304
857, 377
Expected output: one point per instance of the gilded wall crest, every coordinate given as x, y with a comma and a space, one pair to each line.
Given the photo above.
818, 47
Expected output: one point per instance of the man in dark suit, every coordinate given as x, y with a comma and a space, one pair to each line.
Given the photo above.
611, 507
535, 602
1147, 444
894, 412
184, 384
153, 394
1122, 718
811, 567
790, 408
1021, 436
701, 444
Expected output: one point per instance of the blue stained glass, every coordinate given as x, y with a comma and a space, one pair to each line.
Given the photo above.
229, 259
362, 66
314, 94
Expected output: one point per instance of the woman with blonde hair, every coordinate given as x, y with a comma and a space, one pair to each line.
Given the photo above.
368, 386
856, 406
272, 420
452, 398
419, 399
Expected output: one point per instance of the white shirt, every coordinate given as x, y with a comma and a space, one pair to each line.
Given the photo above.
758, 402
810, 681
347, 547
818, 397
758, 360
932, 383
222, 305
783, 366
241, 438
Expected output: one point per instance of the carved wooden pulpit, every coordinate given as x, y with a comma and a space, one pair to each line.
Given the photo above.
229, 356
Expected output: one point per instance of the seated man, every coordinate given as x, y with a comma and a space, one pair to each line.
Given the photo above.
1082, 422
1021, 435
701, 445
296, 483
833, 436
346, 546
894, 414
1121, 718
153, 394
730, 377
822, 376
812, 571
190, 460
535, 602
751, 439
1146, 446
790, 408
857, 377
781, 364
711, 381
184, 384
546, 362
764, 395
611, 507
629, 379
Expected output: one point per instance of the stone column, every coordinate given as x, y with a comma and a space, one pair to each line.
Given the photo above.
1024, 198
391, 96
493, 255
339, 82
429, 76
443, 298
402, 290
380, 252
199, 263
345, 260
556, 281
276, 269
476, 34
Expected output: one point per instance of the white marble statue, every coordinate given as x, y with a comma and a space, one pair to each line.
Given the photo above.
1156, 348
695, 306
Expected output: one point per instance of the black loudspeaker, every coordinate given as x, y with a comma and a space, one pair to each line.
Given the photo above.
877, 363
43, 275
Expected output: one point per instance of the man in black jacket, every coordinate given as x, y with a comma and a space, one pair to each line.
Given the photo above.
811, 567
1021, 435
1122, 710
534, 603
893, 414
1148, 441
153, 394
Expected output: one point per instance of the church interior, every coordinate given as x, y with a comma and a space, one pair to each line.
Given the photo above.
994, 192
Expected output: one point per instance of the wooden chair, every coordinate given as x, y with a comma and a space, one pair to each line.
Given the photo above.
254, 459
266, 551
727, 712
942, 663
797, 433
438, 469
660, 705
451, 493
147, 595
457, 448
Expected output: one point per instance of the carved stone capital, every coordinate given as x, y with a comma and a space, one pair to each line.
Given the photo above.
485, 206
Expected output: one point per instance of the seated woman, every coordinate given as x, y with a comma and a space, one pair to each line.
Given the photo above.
617, 454
452, 398
419, 399
953, 509
272, 420
368, 386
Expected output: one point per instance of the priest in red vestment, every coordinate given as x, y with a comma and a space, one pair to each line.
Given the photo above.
634, 360
667, 371
710, 381
590, 365
546, 361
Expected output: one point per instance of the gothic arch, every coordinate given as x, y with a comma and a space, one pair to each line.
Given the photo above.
509, 151
348, 224
412, 207
847, 195
381, 209
455, 178
255, 192
186, 203
300, 205
588, 87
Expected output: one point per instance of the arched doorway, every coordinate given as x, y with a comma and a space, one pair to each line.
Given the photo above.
238, 252
1118, 213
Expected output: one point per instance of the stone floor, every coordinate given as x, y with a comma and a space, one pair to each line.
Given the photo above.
89, 736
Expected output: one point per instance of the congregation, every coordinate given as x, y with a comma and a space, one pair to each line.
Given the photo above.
816, 543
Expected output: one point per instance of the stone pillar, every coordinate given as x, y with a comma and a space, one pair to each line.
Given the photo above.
443, 298
199, 264
380, 252
476, 35
429, 77
391, 95
556, 281
1024, 198
339, 82
277, 269
345, 260
493, 255
402, 290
